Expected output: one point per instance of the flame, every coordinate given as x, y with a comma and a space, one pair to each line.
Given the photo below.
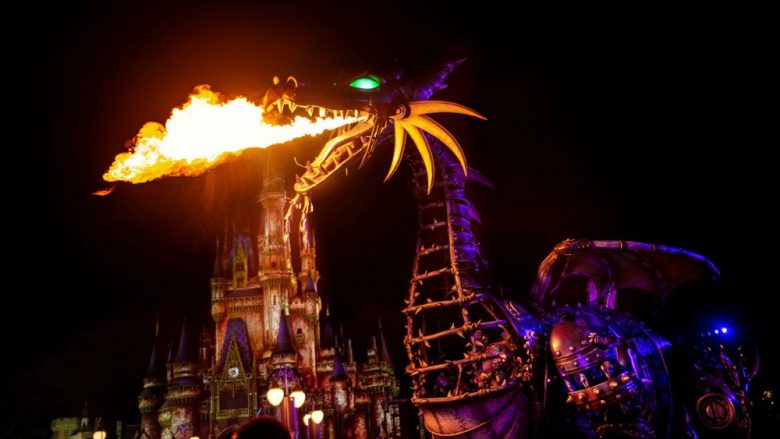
104, 192
204, 132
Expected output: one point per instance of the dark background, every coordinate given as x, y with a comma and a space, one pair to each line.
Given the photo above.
615, 121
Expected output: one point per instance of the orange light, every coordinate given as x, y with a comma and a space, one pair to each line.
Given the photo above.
298, 398
275, 396
204, 132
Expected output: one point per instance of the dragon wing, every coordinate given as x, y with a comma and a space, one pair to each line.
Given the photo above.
597, 272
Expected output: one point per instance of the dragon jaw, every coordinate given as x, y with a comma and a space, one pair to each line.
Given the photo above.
389, 102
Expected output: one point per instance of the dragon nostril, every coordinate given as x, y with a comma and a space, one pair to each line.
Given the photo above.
291, 79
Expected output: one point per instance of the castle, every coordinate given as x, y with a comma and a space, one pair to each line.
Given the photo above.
267, 319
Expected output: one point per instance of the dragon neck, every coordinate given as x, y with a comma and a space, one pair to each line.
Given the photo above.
457, 335
445, 218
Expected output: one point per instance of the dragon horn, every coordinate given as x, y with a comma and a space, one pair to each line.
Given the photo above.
425, 152
418, 108
398, 151
435, 129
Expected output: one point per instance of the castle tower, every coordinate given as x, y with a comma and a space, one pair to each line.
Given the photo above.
340, 396
304, 319
153, 393
276, 276
305, 307
180, 414
378, 382
235, 290
326, 351
307, 250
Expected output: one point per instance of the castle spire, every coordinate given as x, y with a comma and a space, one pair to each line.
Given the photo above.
185, 354
309, 286
385, 355
339, 373
216, 270
284, 340
156, 367
327, 339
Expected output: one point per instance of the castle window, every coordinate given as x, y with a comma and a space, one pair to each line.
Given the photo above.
240, 263
299, 331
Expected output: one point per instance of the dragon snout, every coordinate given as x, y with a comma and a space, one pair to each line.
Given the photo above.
279, 101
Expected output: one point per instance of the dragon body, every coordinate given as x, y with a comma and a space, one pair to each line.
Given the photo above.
483, 366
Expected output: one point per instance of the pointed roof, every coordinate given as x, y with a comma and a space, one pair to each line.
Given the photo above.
309, 287
385, 354
242, 241
236, 329
339, 374
327, 337
284, 340
185, 353
216, 270
156, 367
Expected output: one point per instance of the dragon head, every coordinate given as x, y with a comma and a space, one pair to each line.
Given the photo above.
377, 102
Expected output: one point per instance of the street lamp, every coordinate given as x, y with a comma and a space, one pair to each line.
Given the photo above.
312, 422
100, 431
316, 417
287, 401
298, 398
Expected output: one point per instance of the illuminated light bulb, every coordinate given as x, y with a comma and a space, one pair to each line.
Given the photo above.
317, 416
275, 396
298, 398
724, 329
306, 418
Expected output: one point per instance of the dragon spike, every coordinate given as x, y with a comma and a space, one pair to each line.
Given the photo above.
425, 151
398, 151
435, 129
418, 108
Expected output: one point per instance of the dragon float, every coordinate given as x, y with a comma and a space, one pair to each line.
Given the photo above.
575, 361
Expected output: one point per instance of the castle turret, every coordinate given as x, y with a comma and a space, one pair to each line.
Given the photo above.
236, 289
340, 395
218, 284
276, 276
304, 317
384, 353
307, 249
180, 414
153, 392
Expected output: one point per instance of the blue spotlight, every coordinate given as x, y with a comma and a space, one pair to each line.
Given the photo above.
724, 329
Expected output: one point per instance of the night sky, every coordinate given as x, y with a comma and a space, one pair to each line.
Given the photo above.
632, 122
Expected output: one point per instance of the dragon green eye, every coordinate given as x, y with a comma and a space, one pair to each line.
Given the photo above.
366, 82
